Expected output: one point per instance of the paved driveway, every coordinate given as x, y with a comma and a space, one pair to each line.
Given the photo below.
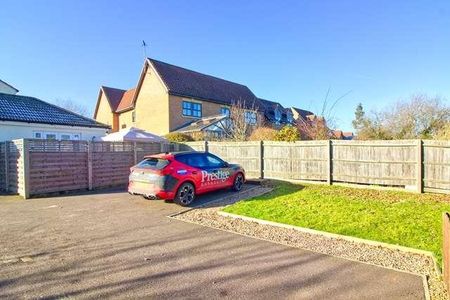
116, 245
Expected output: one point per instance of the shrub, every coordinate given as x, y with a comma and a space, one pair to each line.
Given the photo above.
288, 134
263, 134
177, 137
443, 133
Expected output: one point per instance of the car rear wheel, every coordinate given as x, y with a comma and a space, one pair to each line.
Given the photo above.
238, 182
185, 194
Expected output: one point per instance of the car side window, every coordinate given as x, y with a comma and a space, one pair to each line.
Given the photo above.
214, 161
195, 160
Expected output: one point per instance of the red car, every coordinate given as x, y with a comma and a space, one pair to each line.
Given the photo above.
181, 176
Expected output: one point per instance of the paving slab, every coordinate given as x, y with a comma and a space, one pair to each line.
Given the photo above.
114, 245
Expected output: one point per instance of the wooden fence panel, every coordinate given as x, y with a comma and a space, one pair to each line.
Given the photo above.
2, 166
57, 171
57, 166
305, 160
111, 162
436, 166
197, 146
246, 154
392, 163
143, 149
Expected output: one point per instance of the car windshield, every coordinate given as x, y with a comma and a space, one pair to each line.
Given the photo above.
153, 163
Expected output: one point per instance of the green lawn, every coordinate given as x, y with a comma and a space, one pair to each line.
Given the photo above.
407, 219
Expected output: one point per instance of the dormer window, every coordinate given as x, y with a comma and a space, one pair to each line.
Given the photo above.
277, 114
289, 117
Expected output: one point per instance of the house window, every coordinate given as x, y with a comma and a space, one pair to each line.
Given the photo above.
290, 117
65, 137
37, 135
225, 111
133, 116
277, 114
250, 117
192, 109
124, 126
76, 137
50, 136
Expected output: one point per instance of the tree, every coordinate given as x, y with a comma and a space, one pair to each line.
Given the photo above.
70, 105
313, 128
419, 116
360, 120
243, 120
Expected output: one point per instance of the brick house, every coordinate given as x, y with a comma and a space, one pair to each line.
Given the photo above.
168, 98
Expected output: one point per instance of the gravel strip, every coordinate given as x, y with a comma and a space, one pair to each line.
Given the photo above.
375, 255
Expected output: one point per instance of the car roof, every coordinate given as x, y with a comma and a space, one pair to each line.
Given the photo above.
169, 155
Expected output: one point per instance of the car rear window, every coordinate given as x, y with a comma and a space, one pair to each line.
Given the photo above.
153, 163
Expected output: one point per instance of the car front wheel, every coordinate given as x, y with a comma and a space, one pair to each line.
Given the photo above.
238, 182
185, 194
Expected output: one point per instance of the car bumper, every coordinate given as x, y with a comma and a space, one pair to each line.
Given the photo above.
148, 190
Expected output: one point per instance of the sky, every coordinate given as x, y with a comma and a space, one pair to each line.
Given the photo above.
292, 52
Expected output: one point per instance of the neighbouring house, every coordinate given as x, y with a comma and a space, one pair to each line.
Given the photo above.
301, 114
276, 114
341, 135
348, 135
6, 88
29, 117
169, 98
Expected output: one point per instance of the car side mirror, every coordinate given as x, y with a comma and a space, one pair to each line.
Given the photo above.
225, 164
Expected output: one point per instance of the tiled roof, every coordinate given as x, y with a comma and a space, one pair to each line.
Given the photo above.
270, 105
32, 110
303, 113
187, 83
127, 100
119, 99
114, 96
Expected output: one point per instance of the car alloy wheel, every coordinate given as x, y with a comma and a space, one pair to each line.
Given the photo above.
238, 182
185, 194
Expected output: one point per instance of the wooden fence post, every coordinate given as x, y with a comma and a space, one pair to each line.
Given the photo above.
446, 248
90, 150
419, 167
206, 146
162, 148
7, 149
26, 168
135, 154
261, 159
330, 162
